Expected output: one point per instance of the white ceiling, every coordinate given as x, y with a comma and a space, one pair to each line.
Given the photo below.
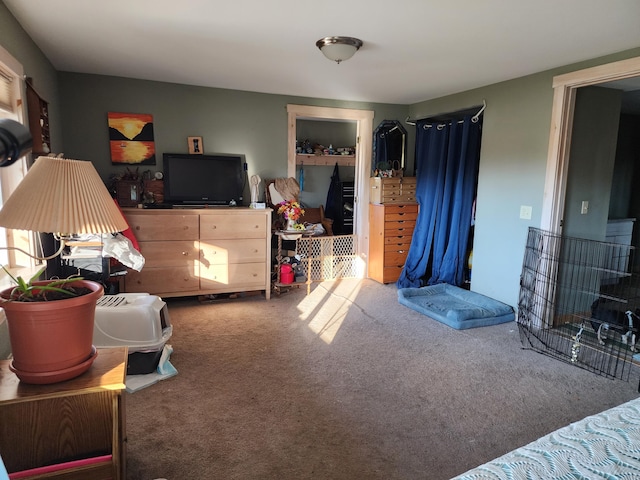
414, 50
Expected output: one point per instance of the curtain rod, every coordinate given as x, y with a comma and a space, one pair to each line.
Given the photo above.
474, 119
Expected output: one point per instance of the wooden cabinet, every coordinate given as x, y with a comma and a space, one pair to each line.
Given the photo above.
38, 111
71, 430
390, 230
201, 251
392, 189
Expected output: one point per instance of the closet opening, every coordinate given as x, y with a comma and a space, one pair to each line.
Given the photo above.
349, 173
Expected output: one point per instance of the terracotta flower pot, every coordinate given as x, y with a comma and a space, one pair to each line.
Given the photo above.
52, 341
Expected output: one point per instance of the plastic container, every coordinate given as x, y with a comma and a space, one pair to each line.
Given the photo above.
137, 320
286, 274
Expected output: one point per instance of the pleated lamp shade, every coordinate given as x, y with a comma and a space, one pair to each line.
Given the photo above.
62, 196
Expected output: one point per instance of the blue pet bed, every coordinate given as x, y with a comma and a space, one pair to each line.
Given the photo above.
456, 307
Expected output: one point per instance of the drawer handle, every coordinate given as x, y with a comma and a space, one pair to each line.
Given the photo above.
185, 253
137, 227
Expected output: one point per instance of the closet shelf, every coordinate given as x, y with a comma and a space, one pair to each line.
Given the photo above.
311, 159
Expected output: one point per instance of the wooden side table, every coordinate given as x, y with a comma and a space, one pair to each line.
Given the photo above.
70, 430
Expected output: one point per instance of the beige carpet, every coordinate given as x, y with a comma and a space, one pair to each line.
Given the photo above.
346, 384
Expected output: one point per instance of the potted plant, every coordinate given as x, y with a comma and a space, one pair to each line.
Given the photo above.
50, 327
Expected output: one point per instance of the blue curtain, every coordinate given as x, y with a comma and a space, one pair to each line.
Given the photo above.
447, 157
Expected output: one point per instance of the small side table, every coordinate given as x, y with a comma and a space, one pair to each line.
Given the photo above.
80, 421
278, 286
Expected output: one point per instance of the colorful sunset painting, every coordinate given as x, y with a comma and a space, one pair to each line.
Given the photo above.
131, 138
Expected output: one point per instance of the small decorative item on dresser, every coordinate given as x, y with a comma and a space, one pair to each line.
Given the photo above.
291, 212
196, 146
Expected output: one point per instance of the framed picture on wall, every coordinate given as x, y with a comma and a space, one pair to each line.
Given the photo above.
195, 145
131, 138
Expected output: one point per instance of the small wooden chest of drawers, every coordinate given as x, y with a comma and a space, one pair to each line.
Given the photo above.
392, 189
390, 231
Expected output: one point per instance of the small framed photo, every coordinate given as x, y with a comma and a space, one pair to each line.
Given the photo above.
195, 145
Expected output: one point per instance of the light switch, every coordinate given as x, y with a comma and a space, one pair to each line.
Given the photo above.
584, 209
525, 212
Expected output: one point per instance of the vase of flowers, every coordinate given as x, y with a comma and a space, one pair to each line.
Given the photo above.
291, 211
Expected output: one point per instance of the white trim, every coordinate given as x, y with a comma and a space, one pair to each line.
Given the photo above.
364, 133
561, 126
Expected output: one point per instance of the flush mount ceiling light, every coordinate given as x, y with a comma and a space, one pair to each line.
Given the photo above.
338, 48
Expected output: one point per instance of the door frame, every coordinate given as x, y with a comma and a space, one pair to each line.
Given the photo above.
564, 97
364, 139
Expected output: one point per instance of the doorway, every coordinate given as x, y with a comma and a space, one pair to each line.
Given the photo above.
564, 97
364, 142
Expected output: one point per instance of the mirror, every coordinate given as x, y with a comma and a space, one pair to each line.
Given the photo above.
389, 146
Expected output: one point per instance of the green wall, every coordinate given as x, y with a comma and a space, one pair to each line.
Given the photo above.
513, 162
591, 162
45, 78
229, 121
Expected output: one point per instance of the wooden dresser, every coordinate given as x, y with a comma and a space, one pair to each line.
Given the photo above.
201, 251
390, 230
71, 430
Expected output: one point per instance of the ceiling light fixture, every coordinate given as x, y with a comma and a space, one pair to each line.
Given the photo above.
339, 48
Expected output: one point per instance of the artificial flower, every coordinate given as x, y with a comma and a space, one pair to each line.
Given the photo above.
290, 209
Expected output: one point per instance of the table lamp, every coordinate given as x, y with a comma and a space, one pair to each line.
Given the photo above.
63, 197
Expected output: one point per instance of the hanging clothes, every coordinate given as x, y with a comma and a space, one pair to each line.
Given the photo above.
447, 159
301, 177
333, 207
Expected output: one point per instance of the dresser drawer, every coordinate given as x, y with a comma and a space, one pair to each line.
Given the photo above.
163, 227
233, 251
401, 208
163, 279
395, 258
232, 226
233, 274
396, 229
398, 240
170, 254
391, 274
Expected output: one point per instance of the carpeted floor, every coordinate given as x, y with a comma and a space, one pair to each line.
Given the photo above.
346, 384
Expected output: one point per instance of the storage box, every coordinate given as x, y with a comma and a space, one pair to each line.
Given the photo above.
137, 320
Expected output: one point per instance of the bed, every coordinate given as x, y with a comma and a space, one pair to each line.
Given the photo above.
605, 445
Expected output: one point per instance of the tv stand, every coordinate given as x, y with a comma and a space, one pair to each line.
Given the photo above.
201, 251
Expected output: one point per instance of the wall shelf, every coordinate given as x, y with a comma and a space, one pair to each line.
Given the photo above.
311, 159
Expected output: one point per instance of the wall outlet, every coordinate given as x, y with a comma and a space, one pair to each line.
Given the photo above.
525, 212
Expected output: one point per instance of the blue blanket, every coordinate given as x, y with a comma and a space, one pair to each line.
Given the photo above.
456, 307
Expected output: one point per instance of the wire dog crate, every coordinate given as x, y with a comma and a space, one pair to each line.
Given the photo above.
579, 302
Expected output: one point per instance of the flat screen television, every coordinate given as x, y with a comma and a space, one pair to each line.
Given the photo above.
217, 179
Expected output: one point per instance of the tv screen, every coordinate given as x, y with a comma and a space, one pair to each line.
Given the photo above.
216, 179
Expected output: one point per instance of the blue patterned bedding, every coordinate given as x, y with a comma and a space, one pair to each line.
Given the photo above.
606, 445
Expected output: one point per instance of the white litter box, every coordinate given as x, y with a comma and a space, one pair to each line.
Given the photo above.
137, 320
